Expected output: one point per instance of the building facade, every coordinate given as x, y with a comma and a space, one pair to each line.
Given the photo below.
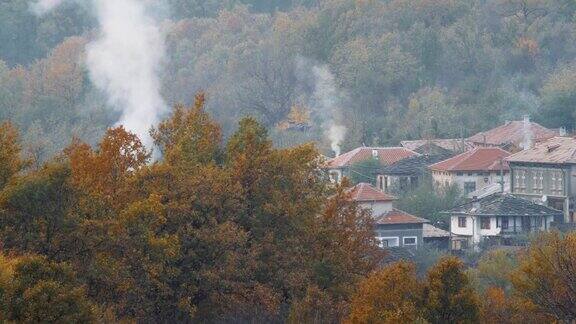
343, 165
497, 219
393, 228
547, 173
473, 170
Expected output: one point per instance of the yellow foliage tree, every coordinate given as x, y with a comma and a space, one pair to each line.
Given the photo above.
390, 295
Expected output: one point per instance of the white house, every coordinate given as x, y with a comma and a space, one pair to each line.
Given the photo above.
497, 219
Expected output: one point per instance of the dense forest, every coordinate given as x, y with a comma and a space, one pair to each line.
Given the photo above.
240, 232
224, 215
403, 69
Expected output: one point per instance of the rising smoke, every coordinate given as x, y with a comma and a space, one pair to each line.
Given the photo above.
326, 101
526, 133
124, 60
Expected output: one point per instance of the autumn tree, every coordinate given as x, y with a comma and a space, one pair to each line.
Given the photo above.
34, 289
344, 251
35, 212
105, 170
448, 296
189, 137
499, 307
545, 276
494, 270
390, 295
10, 160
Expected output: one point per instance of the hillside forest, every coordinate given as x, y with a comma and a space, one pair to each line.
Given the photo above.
226, 216
403, 69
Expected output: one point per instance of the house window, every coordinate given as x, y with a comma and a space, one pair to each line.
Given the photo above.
335, 177
388, 241
459, 174
504, 223
485, 223
403, 183
469, 187
461, 221
520, 179
470, 174
413, 182
556, 184
409, 240
538, 180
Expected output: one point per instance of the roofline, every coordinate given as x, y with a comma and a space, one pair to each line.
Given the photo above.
495, 215
460, 170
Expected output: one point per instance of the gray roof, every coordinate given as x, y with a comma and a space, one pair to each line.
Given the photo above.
415, 165
430, 231
503, 205
555, 150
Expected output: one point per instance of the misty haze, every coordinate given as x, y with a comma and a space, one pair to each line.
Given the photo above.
287, 161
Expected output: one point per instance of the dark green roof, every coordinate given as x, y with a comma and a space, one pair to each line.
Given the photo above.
503, 205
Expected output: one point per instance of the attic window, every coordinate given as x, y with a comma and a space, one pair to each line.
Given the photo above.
375, 153
552, 148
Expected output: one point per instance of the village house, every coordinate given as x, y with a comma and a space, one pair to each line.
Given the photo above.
394, 228
342, 166
547, 173
408, 173
498, 219
473, 170
513, 135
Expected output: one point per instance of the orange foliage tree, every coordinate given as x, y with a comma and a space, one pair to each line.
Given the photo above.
10, 150
390, 295
103, 171
546, 278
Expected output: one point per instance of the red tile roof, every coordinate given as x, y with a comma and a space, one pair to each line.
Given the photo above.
367, 192
513, 133
386, 156
396, 216
555, 150
479, 159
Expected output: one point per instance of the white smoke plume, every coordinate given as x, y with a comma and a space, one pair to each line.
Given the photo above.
125, 59
527, 133
326, 101
43, 6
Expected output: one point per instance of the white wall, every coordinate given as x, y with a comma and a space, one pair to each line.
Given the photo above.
477, 177
378, 207
473, 228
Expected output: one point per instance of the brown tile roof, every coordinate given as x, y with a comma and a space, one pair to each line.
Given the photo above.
513, 133
453, 145
386, 156
431, 231
367, 192
396, 216
554, 150
479, 159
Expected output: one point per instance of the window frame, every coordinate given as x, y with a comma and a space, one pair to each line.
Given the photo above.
482, 223
504, 223
387, 239
465, 221
410, 237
